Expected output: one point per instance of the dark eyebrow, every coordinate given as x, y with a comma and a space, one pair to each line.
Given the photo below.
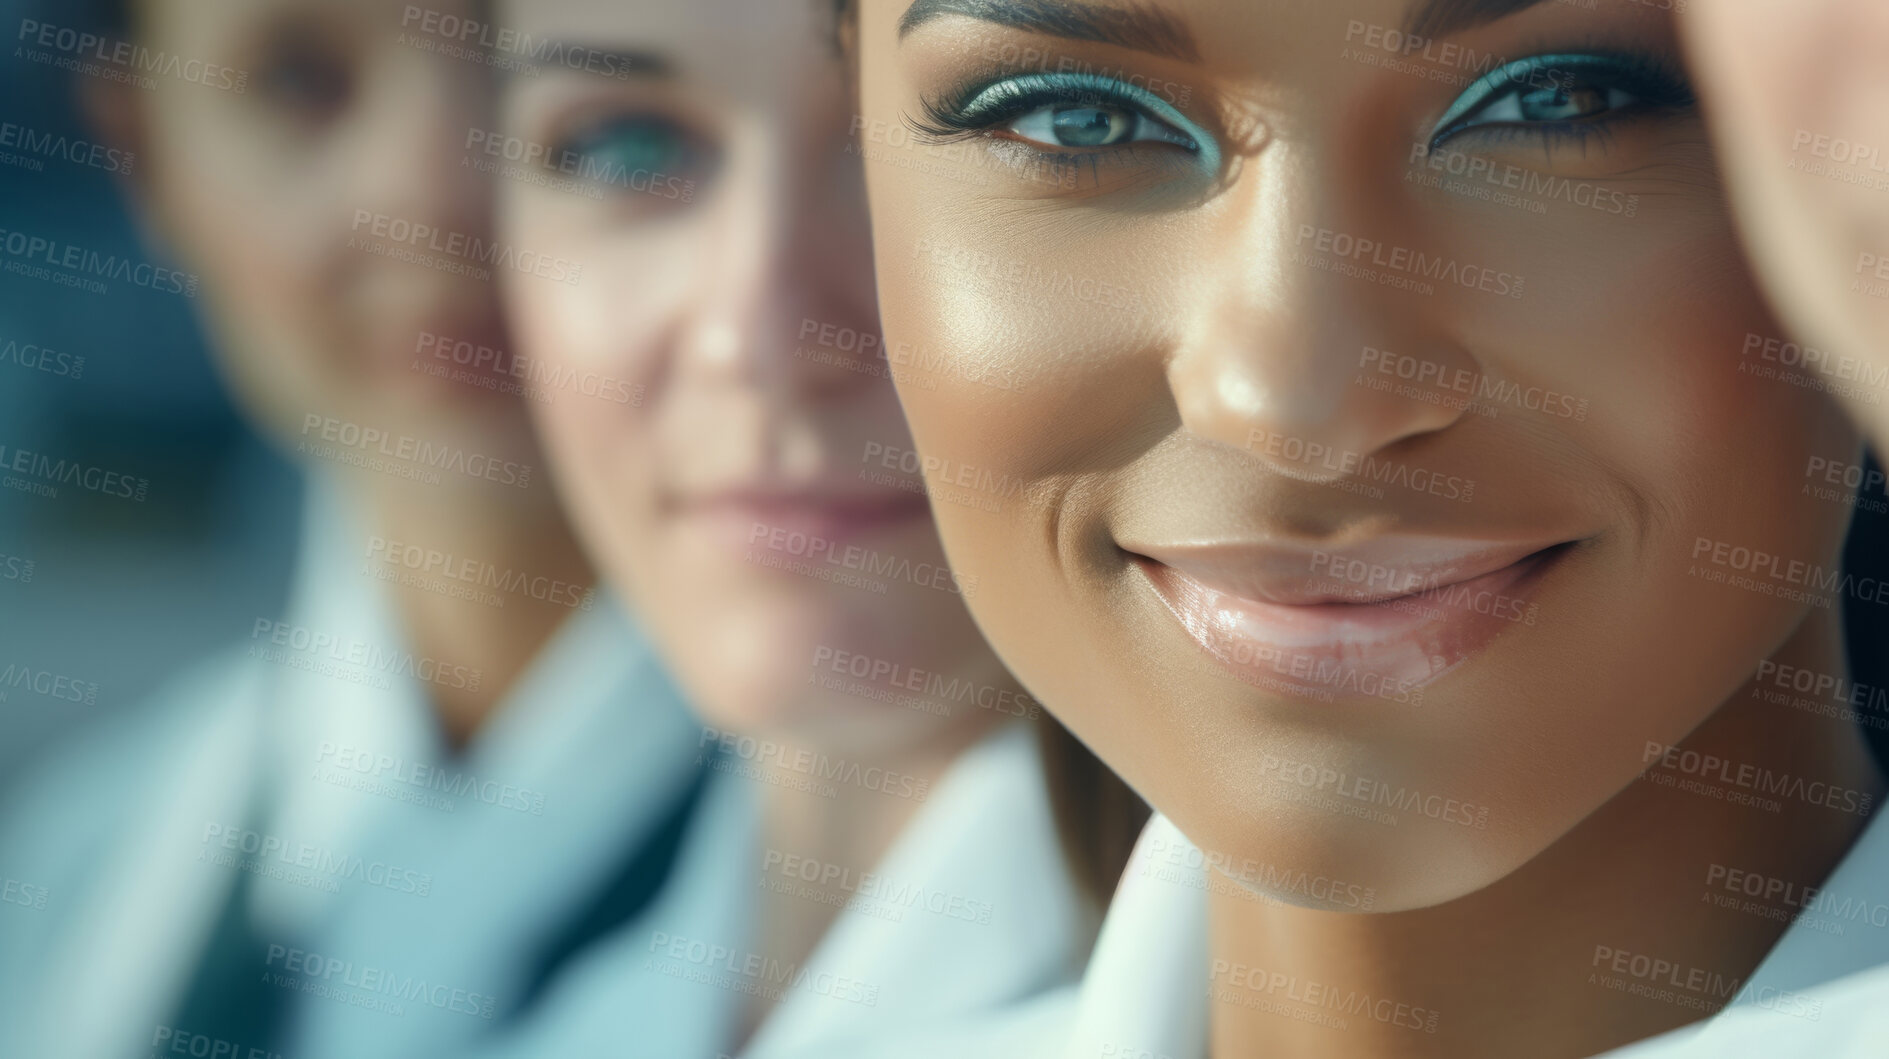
1138, 27
602, 61
1440, 18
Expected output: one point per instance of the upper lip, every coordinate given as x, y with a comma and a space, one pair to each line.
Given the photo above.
1372, 571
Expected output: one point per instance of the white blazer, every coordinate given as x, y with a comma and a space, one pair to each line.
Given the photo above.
310, 769
967, 940
1145, 993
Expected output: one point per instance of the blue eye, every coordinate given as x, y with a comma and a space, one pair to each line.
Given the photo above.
627, 149
1074, 111
1561, 91
629, 142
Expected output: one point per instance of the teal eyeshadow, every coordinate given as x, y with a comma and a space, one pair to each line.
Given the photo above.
1157, 107
1495, 83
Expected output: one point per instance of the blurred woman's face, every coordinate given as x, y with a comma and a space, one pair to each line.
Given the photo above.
730, 471
1397, 417
344, 242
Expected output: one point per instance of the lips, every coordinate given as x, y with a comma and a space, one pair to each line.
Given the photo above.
1378, 619
738, 517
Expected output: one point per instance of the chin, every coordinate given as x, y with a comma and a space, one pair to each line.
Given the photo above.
1277, 850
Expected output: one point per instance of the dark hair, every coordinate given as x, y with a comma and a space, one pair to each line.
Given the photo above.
1098, 816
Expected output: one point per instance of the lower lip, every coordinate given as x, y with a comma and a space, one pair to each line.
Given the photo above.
1331, 651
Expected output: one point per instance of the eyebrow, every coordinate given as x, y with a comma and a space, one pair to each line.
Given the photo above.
638, 63
1151, 30
1440, 18
1138, 27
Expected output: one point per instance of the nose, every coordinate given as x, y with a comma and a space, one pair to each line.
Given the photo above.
1285, 333
794, 270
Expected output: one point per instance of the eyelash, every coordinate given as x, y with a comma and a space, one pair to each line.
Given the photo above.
963, 114
1657, 83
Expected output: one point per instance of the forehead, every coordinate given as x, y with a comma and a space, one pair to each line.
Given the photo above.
239, 15
756, 45
1229, 34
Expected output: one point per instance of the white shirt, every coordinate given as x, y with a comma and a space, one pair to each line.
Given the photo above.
1145, 993
966, 940
307, 767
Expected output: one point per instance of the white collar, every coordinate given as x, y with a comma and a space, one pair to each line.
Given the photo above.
971, 916
1146, 989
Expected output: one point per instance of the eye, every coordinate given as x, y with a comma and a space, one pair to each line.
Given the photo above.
629, 150
1076, 112
1094, 125
305, 77
1558, 92
630, 142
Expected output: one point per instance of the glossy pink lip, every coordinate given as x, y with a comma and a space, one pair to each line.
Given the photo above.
1381, 619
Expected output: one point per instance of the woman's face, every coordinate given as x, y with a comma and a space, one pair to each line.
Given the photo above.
724, 449
1386, 389
344, 243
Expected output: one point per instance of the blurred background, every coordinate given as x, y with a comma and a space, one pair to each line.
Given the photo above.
122, 594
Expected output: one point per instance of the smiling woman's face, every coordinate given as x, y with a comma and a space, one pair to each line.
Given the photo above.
1379, 404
